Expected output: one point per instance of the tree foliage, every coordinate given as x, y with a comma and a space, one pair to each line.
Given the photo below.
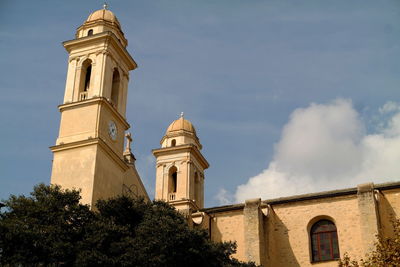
51, 227
385, 254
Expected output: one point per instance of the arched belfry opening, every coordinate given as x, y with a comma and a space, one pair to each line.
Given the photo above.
115, 87
86, 75
196, 187
172, 182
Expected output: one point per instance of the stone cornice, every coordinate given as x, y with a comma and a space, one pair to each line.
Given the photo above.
182, 148
92, 141
96, 100
184, 201
106, 37
305, 197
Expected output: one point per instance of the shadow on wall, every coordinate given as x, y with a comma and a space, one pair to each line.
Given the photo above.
386, 216
278, 249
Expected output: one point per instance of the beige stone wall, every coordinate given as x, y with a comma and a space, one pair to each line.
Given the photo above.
97, 171
289, 224
78, 123
75, 168
229, 226
108, 177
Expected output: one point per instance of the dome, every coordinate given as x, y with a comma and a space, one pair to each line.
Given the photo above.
181, 124
103, 14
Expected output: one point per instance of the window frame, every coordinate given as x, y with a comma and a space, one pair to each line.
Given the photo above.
310, 227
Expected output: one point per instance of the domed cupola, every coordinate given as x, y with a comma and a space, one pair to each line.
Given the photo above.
105, 15
100, 21
180, 132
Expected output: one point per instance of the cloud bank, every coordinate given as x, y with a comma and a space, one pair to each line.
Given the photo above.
325, 146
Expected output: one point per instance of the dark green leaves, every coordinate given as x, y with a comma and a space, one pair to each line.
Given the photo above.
51, 228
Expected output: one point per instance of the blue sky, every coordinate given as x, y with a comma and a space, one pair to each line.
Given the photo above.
260, 80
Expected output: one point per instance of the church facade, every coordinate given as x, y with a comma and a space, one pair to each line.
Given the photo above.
93, 153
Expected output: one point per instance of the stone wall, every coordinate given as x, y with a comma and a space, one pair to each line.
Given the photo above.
276, 232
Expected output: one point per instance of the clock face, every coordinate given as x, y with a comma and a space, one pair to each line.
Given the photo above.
112, 130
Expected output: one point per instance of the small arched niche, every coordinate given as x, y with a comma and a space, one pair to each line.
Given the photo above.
90, 32
85, 79
115, 87
173, 142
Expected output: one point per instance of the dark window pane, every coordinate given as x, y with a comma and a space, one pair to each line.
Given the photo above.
314, 243
323, 226
325, 246
335, 246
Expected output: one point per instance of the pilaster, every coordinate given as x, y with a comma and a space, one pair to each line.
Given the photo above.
368, 210
253, 230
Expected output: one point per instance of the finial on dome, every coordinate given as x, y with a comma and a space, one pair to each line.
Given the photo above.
105, 6
182, 114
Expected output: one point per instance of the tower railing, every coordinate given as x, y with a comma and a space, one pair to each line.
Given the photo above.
171, 196
83, 95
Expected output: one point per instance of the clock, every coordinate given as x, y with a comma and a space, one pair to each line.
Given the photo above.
112, 130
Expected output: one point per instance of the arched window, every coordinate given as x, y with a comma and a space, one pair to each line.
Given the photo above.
172, 182
90, 32
85, 77
115, 87
324, 241
173, 142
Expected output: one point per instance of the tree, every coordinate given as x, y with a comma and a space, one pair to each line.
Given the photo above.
52, 228
43, 228
385, 254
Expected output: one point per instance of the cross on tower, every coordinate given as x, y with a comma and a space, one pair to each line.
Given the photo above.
128, 141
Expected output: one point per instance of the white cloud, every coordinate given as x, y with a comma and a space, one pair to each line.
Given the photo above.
325, 146
224, 197
388, 107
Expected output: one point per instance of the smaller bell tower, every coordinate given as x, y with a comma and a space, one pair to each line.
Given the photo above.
180, 167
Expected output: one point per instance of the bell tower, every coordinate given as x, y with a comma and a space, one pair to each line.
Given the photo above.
89, 152
180, 167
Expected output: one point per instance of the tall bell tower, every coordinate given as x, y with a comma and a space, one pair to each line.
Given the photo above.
180, 167
89, 152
